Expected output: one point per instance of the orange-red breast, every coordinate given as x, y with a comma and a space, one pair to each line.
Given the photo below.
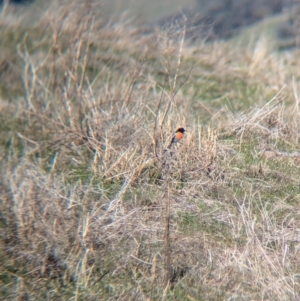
178, 135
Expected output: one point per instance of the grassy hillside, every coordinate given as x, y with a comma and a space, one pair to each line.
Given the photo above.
94, 208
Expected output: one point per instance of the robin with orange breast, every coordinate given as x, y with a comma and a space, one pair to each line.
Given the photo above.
178, 135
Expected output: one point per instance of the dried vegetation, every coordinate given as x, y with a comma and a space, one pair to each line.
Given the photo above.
93, 208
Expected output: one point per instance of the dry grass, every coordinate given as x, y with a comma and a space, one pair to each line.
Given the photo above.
93, 208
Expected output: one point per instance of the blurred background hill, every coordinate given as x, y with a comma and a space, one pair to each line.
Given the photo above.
205, 19
216, 19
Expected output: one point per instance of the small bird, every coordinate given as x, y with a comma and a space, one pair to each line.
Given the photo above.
178, 135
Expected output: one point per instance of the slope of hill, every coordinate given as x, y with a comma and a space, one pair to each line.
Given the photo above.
94, 208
